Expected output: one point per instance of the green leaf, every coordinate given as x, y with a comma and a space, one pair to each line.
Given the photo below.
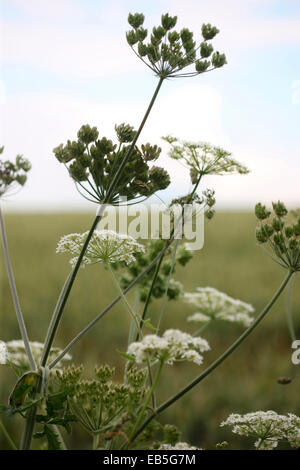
127, 356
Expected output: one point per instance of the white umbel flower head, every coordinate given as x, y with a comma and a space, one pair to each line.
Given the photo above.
213, 304
3, 353
16, 353
178, 446
105, 246
268, 427
173, 346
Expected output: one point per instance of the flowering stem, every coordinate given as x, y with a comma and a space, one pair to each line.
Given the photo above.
7, 437
216, 363
116, 300
148, 398
69, 283
62, 300
14, 293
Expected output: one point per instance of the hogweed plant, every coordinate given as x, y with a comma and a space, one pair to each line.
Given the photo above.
51, 393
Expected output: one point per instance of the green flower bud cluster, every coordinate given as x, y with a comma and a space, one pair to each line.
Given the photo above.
183, 255
13, 173
167, 52
92, 163
203, 158
86, 397
281, 232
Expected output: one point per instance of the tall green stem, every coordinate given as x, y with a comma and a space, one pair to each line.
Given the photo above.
216, 363
58, 311
14, 294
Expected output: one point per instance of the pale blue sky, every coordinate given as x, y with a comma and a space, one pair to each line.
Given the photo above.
66, 62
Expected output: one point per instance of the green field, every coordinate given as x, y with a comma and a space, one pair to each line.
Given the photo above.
230, 261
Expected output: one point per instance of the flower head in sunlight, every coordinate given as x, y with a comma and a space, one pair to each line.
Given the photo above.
105, 246
12, 174
268, 427
16, 354
215, 305
168, 52
280, 232
172, 346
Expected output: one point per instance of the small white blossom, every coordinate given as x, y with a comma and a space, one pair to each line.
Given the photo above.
16, 353
3, 353
178, 446
105, 246
213, 304
203, 158
268, 427
173, 346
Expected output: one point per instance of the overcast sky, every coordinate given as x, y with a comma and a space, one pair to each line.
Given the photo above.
65, 63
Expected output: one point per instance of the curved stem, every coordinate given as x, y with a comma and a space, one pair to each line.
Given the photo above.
14, 294
216, 363
7, 436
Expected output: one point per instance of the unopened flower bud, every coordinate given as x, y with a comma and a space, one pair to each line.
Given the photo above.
205, 49
218, 60
261, 212
131, 37
87, 134
136, 20
279, 209
125, 132
168, 22
202, 65
209, 31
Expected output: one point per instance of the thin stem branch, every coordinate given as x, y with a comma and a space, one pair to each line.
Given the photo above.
7, 437
148, 398
14, 294
216, 363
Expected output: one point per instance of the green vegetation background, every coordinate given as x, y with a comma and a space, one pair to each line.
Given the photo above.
230, 261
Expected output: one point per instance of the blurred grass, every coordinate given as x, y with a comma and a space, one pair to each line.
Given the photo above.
230, 261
